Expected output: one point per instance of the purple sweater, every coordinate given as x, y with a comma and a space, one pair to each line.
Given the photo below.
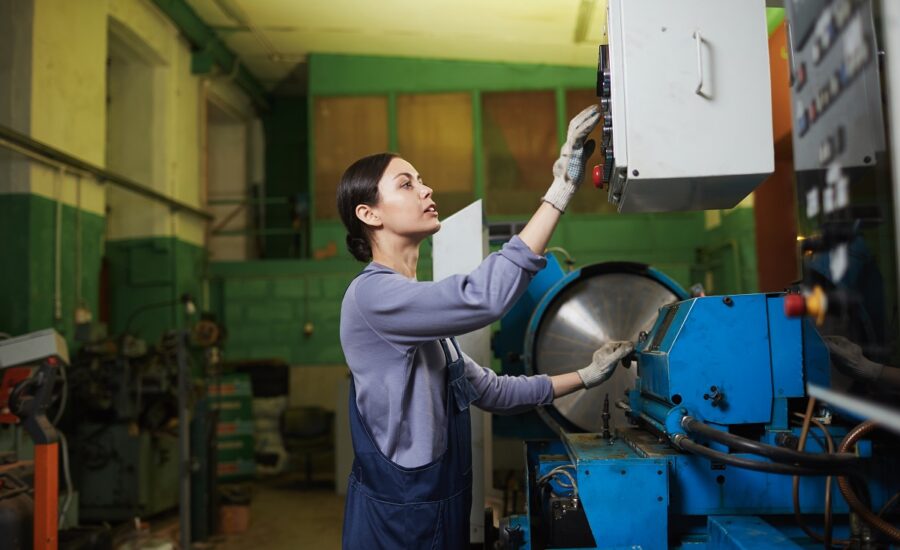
390, 331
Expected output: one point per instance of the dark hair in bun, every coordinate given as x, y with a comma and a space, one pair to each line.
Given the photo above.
359, 185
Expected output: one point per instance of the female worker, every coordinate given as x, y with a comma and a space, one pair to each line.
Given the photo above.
410, 485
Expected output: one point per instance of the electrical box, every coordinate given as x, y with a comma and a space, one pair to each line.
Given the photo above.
687, 102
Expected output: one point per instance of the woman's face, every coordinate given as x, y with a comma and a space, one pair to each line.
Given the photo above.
405, 206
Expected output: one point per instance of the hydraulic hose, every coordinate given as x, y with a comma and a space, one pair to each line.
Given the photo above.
692, 446
824, 461
853, 500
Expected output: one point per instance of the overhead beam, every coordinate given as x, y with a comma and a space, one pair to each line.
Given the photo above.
210, 50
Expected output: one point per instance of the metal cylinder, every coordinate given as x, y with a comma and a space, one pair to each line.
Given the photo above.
583, 311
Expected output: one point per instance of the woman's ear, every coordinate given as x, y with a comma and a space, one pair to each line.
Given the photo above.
367, 215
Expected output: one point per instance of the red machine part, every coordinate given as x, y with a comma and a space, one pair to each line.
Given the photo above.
598, 176
46, 496
794, 305
10, 378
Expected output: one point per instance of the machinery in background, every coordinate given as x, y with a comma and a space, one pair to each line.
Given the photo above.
732, 425
121, 422
28, 369
142, 436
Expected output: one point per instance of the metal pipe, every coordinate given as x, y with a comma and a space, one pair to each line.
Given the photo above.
652, 421
54, 158
853, 500
655, 409
184, 440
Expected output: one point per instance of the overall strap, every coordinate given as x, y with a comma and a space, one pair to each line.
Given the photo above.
456, 345
448, 359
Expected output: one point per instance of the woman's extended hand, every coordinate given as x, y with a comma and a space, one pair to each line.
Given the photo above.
568, 170
567, 174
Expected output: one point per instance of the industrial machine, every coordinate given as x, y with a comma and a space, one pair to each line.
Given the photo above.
740, 421
140, 436
121, 422
132, 448
28, 368
701, 446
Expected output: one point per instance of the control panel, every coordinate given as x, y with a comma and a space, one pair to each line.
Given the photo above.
603, 174
836, 90
842, 172
685, 92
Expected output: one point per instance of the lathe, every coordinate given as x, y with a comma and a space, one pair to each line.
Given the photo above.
764, 420
701, 449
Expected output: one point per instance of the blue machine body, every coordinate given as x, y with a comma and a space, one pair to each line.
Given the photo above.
637, 492
728, 360
731, 362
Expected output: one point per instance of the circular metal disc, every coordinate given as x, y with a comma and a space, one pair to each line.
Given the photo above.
591, 311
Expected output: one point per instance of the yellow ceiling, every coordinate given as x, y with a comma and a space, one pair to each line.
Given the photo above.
273, 36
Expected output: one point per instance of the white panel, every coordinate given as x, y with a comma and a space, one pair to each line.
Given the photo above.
688, 150
459, 247
890, 12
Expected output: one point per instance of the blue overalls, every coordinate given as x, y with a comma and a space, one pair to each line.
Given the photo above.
392, 507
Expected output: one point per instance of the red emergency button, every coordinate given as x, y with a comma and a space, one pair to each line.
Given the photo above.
794, 305
598, 176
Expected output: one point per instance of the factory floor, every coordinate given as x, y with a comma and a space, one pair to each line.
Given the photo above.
288, 516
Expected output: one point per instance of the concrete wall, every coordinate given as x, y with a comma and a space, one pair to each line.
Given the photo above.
53, 54
64, 68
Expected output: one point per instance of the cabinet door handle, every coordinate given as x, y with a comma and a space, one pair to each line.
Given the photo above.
698, 38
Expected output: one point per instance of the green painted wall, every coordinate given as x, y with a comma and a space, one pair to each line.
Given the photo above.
331, 74
287, 176
153, 270
266, 304
28, 224
666, 241
727, 260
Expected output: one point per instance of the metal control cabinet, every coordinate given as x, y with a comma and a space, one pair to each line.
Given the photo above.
688, 103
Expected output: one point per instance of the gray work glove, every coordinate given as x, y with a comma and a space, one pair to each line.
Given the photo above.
848, 359
568, 170
604, 363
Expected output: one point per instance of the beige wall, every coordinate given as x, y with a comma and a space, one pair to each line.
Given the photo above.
317, 386
66, 107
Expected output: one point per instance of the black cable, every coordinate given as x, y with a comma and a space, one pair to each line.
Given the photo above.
838, 461
747, 463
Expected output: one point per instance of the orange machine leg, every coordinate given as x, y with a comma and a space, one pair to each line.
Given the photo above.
46, 496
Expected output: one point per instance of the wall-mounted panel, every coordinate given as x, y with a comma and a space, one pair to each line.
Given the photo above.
346, 129
434, 133
519, 149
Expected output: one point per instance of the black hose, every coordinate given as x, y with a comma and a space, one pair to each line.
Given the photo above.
839, 461
747, 463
